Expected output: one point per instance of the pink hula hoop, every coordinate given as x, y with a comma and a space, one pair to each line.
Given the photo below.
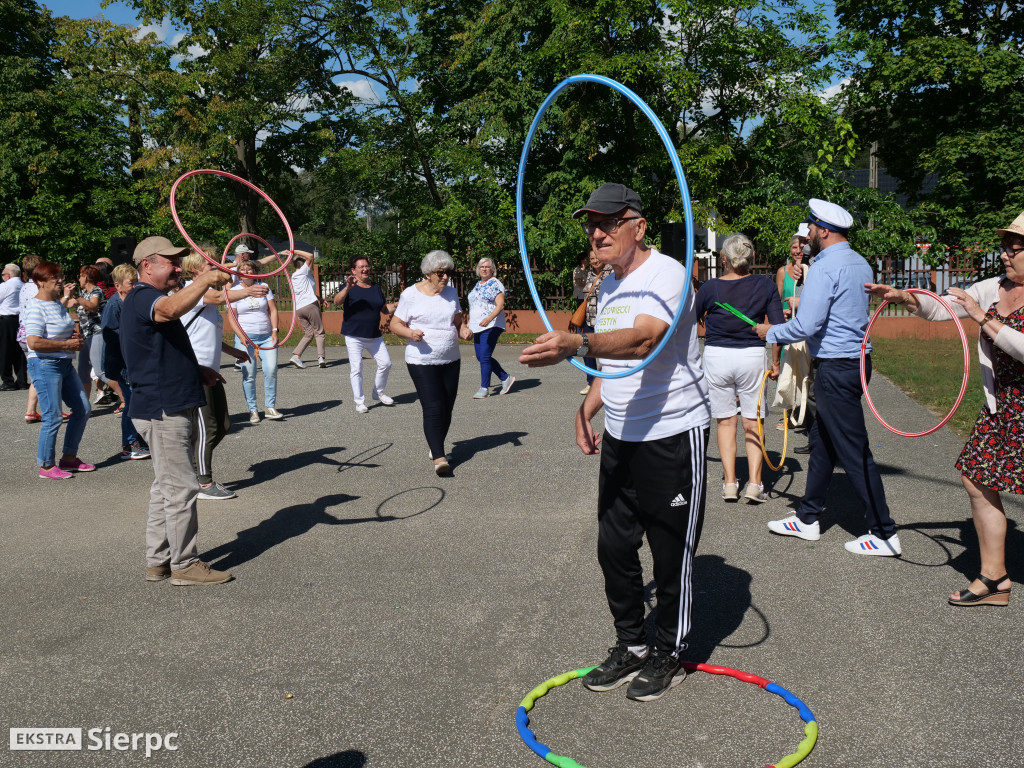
254, 188
231, 310
863, 361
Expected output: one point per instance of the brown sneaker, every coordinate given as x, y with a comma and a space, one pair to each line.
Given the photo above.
158, 572
199, 573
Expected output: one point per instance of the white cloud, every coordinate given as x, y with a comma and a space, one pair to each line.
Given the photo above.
362, 89
161, 30
833, 90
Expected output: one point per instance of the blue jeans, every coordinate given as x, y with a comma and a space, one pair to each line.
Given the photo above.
128, 433
484, 343
56, 379
268, 360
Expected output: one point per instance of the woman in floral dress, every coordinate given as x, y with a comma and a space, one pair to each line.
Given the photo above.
994, 455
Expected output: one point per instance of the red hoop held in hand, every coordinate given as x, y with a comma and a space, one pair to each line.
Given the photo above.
231, 310
863, 365
254, 188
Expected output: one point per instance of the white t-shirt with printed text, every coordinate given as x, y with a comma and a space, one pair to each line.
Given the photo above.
670, 395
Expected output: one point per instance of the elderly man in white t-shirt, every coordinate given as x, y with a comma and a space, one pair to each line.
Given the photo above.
653, 462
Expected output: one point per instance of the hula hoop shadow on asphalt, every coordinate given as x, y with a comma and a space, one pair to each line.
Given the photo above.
529, 738
863, 365
687, 208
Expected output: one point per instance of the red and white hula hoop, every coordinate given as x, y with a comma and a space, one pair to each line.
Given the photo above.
863, 365
231, 310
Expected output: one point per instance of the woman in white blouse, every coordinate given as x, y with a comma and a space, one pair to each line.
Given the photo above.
430, 317
257, 315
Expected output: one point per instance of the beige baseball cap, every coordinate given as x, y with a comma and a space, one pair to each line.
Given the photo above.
157, 246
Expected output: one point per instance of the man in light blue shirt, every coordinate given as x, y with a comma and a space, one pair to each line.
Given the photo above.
833, 318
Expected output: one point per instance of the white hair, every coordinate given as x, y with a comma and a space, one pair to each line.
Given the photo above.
12, 269
435, 261
738, 251
489, 260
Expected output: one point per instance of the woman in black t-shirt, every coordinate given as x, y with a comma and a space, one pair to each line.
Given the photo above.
734, 358
363, 304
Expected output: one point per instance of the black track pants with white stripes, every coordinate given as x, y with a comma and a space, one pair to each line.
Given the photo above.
655, 488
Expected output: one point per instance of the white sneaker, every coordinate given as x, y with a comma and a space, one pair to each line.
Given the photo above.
754, 494
273, 413
383, 398
321, 362
792, 526
585, 390
869, 544
731, 491
254, 417
361, 408
296, 362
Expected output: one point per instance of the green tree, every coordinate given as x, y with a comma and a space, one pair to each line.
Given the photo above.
941, 88
248, 89
64, 180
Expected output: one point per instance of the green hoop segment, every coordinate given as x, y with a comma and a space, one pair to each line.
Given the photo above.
529, 738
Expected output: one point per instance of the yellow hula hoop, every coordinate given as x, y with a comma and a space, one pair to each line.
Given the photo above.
760, 428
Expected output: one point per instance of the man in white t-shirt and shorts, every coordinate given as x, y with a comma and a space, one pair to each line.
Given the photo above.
653, 456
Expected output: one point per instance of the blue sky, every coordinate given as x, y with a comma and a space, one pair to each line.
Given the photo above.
87, 9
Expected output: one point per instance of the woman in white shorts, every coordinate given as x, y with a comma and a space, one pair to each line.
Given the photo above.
734, 358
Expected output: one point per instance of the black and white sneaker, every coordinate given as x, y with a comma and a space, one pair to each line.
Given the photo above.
621, 666
661, 672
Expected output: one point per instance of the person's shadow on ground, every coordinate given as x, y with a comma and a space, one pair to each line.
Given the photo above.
350, 758
720, 602
963, 534
284, 524
465, 449
271, 469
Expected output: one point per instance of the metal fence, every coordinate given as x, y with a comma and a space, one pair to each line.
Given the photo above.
555, 286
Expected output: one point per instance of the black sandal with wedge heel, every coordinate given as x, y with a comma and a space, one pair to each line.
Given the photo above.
994, 596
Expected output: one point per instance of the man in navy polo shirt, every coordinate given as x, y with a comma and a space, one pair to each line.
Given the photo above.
167, 391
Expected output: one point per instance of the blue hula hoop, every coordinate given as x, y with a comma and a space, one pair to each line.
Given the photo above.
687, 209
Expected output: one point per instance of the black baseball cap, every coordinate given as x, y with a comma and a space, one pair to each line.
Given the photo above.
610, 198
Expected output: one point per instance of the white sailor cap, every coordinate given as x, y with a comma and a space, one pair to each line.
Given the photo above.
243, 248
803, 231
829, 216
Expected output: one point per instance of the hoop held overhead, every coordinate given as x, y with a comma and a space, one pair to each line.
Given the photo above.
687, 209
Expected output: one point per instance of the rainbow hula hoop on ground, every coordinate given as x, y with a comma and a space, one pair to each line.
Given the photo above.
863, 365
760, 427
687, 208
803, 748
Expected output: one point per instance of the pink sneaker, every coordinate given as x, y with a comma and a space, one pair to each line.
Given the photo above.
76, 465
54, 473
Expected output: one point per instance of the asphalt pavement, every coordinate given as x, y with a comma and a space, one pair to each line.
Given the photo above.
382, 616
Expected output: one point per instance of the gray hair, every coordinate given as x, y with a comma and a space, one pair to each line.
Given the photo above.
435, 261
738, 251
12, 269
489, 260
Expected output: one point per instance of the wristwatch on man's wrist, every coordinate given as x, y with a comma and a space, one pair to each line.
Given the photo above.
584, 348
